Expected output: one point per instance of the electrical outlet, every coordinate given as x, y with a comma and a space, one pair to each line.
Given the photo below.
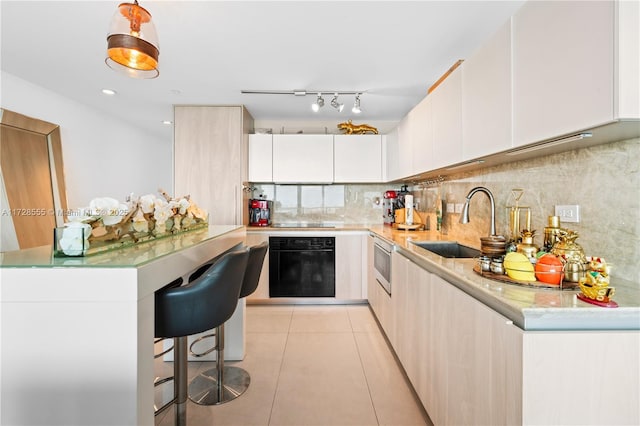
451, 208
568, 213
459, 207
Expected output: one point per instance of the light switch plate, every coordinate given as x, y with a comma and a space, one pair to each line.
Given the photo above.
568, 213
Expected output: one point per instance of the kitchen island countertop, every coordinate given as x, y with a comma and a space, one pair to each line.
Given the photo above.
78, 333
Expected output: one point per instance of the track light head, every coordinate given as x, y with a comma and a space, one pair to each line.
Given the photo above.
319, 103
337, 105
356, 106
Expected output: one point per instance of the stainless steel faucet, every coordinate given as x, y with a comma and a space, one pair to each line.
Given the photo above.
464, 217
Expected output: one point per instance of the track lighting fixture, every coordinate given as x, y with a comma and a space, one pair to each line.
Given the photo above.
319, 103
336, 104
356, 105
132, 42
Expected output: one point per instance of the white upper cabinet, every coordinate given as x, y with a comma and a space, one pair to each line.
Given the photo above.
391, 145
628, 66
357, 158
421, 136
405, 150
566, 67
486, 97
260, 158
447, 120
303, 158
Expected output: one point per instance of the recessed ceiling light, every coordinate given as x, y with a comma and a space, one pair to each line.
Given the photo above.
109, 92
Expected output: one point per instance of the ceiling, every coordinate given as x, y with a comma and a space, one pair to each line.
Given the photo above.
211, 50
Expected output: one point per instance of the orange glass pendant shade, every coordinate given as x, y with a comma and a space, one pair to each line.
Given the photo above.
132, 42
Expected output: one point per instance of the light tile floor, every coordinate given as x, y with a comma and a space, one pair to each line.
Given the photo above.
312, 365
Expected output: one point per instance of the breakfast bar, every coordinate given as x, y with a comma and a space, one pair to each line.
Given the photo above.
77, 332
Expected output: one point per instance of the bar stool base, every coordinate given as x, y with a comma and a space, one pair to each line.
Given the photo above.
203, 390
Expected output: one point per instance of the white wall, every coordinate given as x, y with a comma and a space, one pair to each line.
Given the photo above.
103, 156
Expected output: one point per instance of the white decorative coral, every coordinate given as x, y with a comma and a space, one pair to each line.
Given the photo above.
109, 220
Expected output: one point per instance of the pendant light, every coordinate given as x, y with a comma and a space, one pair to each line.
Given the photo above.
132, 42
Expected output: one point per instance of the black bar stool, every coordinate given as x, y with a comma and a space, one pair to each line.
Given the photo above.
203, 304
225, 383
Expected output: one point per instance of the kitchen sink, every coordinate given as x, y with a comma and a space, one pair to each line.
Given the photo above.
448, 249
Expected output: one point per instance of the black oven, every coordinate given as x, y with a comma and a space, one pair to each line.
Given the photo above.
302, 267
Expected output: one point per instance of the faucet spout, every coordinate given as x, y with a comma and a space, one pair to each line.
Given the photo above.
464, 217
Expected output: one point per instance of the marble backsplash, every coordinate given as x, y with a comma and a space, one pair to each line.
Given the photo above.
603, 180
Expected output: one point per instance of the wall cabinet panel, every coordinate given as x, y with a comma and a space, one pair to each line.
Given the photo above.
486, 97
447, 120
303, 158
563, 68
422, 158
260, 161
357, 158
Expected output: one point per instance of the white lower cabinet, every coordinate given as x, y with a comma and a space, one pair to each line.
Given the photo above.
350, 267
469, 365
450, 346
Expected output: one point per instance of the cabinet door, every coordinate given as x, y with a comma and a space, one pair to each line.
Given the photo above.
399, 305
447, 120
303, 158
470, 348
562, 68
260, 158
349, 267
410, 301
372, 291
357, 158
404, 164
422, 136
392, 155
486, 97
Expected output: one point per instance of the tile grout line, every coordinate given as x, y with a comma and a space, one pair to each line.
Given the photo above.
275, 392
364, 373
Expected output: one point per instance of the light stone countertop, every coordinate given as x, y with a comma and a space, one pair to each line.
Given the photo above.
529, 308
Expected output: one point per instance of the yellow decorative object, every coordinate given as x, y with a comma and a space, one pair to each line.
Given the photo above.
358, 129
518, 267
595, 283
